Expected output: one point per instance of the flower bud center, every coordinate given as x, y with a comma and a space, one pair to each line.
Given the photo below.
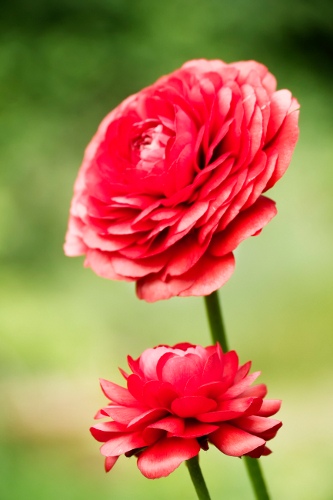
148, 145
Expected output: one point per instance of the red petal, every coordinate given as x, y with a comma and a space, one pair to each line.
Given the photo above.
109, 463
135, 386
158, 394
242, 372
104, 431
237, 389
231, 409
185, 255
166, 455
209, 275
192, 385
134, 269
205, 277
266, 428
259, 184
146, 418
109, 243
101, 414
246, 224
230, 366
233, 441
257, 391
74, 245
173, 425
124, 414
195, 429
280, 104
189, 406
212, 390
101, 264
179, 369
191, 216
256, 132
123, 373
123, 443
269, 407
134, 365
117, 394
161, 362
213, 369
258, 452
284, 143
152, 435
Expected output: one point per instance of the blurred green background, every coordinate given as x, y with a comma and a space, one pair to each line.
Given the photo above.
63, 66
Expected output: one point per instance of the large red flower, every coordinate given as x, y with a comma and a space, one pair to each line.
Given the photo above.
172, 181
178, 400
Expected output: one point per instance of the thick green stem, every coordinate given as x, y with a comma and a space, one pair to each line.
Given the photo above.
256, 478
214, 314
218, 335
197, 478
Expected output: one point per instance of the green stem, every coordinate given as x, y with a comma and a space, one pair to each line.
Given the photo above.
256, 478
197, 478
214, 314
218, 335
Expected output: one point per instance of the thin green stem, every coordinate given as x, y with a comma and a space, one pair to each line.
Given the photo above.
197, 478
214, 314
218, 335
256, 478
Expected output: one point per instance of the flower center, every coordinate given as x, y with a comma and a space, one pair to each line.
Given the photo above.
148, 145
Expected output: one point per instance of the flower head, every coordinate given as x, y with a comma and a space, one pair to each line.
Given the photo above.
177, 401
172, 181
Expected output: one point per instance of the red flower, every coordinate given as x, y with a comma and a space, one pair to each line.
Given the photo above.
179, 399
172, 181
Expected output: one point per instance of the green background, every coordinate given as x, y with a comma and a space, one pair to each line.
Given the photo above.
63, 66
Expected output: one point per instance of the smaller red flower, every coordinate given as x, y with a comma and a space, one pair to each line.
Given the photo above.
178, 400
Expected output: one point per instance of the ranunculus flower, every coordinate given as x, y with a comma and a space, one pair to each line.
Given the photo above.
172, 181
177, 401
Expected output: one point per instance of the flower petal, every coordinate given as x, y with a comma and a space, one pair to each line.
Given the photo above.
266, 428
122, 443
231, 409
109, 463
269, 407
146, 418
117, 394
158, 394
189, 406
162, 458
246, 224
173, 425
124, 414
101, 264
105, 430
195, 429
259, 452
242, 372
213, 369
239, 388
257, 391
233, 441
178, 369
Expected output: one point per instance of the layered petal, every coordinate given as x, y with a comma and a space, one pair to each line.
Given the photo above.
166, 455
235, 442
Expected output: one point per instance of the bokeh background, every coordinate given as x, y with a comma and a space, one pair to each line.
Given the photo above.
63, 66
